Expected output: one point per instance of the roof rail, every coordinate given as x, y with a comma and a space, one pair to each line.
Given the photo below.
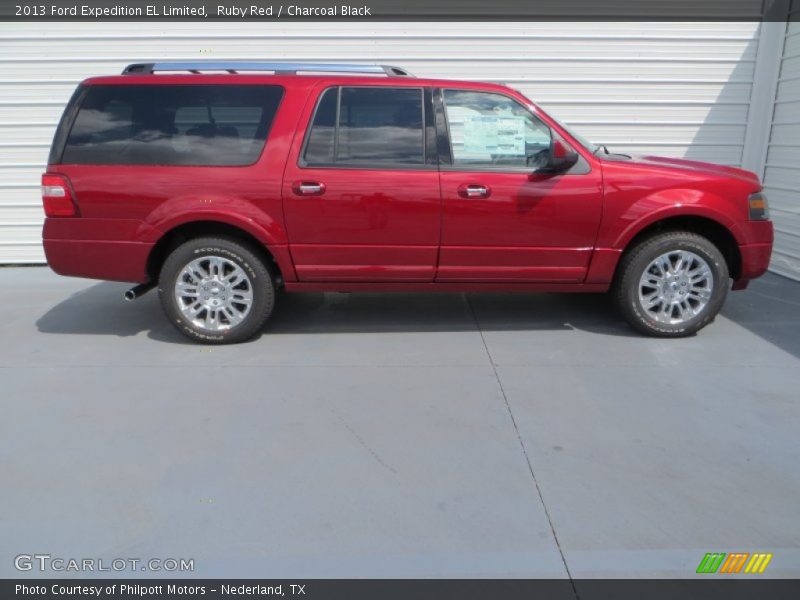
278, 68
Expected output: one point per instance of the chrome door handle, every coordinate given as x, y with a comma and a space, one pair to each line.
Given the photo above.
308, 188
474, 190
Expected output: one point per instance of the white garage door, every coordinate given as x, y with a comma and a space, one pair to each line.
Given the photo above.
679, 89
782, 172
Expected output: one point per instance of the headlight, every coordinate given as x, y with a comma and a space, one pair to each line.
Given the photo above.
757, 205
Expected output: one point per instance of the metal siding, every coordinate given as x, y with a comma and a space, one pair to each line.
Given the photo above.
676, 89
782, 170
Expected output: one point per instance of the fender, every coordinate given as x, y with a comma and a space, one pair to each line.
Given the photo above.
621, 227
231, 211
676, 210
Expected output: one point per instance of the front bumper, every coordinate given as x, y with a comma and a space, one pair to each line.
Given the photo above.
755, 252
755, 260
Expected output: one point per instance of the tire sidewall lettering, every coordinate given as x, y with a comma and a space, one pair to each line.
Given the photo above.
254, 268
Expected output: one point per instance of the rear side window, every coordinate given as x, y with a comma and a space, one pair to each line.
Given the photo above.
202, 125
364, 126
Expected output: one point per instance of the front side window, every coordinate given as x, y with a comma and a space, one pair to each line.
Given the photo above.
493, 130
202, 125
372, 126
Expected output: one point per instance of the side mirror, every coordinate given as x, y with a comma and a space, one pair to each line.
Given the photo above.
560, 158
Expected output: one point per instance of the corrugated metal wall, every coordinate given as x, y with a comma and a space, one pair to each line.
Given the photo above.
782, 172
678, 89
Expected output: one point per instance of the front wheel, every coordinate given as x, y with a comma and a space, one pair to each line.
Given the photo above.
216, 290
672, 284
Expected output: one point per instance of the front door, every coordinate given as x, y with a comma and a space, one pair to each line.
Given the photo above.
361, 197
501, 221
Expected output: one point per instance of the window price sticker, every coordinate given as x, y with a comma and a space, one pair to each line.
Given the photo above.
490, 134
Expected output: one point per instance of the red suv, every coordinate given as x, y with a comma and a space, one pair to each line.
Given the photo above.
222, 182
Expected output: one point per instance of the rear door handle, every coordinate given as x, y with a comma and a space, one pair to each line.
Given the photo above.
308, 188
474, 190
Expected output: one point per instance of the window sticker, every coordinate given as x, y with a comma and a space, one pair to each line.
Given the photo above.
494, 134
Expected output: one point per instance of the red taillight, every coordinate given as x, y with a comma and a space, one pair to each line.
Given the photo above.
57, 196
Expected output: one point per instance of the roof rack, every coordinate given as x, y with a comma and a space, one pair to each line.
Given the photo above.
278, 68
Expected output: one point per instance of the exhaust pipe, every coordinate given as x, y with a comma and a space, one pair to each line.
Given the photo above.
138, 291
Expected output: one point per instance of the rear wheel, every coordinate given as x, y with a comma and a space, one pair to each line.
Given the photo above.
216, 290
672, 284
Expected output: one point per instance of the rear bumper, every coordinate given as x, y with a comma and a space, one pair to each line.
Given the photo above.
96, 248
114, 261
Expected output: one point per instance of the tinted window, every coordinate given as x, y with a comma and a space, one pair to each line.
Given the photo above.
319, 149
375, 126
494, 130
172, 124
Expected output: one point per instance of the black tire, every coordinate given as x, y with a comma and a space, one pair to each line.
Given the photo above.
261, 284
632, 268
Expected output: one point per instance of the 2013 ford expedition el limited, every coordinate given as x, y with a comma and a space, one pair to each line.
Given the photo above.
220, 183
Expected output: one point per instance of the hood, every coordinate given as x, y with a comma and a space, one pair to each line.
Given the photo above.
695, 166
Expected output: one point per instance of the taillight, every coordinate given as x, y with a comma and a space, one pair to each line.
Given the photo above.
57, 196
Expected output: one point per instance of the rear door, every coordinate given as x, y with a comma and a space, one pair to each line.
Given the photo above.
361, 190
503, 221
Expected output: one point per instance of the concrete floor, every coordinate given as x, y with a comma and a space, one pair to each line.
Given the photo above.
407, 435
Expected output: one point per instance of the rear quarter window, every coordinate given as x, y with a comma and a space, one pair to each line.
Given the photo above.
190, 125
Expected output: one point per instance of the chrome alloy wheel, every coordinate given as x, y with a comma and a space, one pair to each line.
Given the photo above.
214, 293
675, 287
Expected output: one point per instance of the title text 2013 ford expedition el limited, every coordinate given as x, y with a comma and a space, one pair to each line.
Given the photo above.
222, 182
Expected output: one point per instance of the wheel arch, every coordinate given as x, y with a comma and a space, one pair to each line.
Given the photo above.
717, 233
188, 230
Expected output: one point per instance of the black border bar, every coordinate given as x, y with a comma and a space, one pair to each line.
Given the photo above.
399, 10
712, 587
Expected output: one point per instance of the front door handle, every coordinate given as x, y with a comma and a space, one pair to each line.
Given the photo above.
474, 190
308, 188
